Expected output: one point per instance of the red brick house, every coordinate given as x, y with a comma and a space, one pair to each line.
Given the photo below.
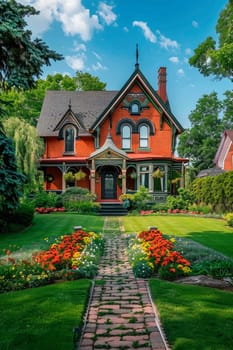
118, 140
224, 155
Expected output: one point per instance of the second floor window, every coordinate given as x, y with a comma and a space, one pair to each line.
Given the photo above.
135, 108
126, 137
69, 140
143, 137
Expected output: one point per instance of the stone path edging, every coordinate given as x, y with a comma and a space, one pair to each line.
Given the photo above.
120, 314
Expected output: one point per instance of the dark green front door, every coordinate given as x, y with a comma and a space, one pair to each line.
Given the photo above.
109, 183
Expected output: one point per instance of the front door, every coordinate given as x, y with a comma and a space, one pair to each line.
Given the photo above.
109, 183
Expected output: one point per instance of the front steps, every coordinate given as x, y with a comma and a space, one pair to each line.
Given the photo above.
112, 209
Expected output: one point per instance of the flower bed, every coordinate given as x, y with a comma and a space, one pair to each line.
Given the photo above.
44, 210
151, 253
70, 257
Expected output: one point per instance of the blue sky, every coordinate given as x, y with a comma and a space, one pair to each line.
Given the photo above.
100, 37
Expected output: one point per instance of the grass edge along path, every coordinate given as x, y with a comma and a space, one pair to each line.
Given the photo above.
194, 317
213, 233
44, 317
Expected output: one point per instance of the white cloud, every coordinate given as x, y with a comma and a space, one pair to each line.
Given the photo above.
174, 59
146, 31
106, 13
75, 62
180, 72
167, 42
97, 56
195, 24
125, 29
79, 47
76, 19
98, 66
188, 51
73, 16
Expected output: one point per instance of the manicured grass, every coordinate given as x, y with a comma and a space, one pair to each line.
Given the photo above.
193, 317
42, 318
213, 233
50, 226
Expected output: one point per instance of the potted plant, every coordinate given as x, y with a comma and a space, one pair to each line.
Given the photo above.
80, 175
69, 176
158, 173
133, 175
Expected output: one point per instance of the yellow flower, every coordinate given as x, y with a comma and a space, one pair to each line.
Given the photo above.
86, 240
172, 240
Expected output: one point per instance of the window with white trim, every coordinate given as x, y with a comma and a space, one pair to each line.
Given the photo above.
143, 137
126, 137
144, 176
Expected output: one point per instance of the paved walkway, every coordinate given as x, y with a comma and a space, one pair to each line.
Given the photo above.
120, 315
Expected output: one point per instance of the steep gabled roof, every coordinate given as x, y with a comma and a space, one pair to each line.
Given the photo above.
139, 78
85, 105
109, 146
223, 148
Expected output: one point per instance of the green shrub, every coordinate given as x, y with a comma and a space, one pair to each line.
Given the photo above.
142, 199
217, 268
84, 207
229, 219
23, 215
182, 201
44, 199
3, 224
77, 194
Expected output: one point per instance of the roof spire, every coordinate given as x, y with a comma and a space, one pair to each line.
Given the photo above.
137, 64
69, 103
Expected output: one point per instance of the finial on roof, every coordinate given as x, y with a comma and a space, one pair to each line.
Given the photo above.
136, 64
69, 103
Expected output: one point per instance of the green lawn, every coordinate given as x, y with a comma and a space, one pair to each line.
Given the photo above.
193, 317
50, 226
42, 318
213, 233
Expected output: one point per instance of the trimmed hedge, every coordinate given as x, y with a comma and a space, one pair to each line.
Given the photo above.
216, 191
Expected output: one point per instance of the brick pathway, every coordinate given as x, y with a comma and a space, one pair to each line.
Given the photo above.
120, 315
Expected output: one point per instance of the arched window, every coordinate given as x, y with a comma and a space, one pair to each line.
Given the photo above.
126, 137
143, 137
69, 140
135, 108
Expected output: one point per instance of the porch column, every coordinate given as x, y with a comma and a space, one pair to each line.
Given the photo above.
63, 179
92, 180
151, 182
166, 177
123, 176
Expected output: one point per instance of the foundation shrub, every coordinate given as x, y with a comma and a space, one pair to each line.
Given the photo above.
181, 201
45, 200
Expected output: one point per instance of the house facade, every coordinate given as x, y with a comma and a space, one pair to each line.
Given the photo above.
224, 155
112, 142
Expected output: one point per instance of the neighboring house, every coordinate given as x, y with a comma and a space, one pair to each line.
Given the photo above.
116, 141
224, 156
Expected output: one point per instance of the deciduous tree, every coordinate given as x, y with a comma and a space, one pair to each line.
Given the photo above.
216, 58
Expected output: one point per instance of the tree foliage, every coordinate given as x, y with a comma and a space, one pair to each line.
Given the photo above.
213, 58
86, 82
21, 62
10, 179
27, 104
200, 142
21, 58
28, 148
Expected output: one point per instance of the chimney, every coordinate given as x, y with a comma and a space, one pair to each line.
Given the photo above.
162, 90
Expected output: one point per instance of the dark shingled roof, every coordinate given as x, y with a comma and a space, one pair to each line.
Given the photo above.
85, 105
